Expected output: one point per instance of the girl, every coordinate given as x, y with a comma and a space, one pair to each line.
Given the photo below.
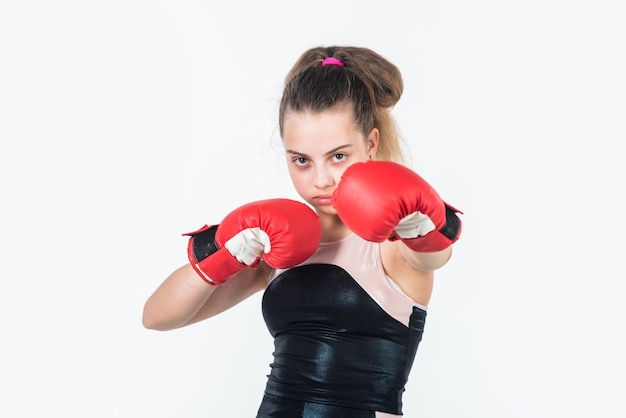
346, 277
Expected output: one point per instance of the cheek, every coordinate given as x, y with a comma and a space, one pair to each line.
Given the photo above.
298, 178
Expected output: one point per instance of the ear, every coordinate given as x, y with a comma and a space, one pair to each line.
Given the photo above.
372, 143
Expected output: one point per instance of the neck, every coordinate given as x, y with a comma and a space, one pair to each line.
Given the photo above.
333, 228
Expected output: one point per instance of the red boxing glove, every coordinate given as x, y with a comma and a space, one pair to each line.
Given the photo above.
281, 231
380, 200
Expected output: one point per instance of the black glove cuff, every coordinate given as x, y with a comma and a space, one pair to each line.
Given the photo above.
452, 228
203, 244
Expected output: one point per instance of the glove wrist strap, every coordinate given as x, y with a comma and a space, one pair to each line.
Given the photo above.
441, 239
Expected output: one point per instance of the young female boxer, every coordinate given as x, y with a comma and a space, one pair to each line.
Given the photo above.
346, 283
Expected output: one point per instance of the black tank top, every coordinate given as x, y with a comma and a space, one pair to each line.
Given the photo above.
334, 344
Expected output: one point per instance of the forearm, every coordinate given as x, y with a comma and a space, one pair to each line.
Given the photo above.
422, 261
226, 261
177, 300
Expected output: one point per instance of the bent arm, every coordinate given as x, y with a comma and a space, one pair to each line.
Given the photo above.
185, 298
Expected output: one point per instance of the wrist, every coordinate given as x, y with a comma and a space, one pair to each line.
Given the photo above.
212, 264
423, 237
218, 268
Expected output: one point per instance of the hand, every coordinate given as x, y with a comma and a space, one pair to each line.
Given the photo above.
383, 200
282, 232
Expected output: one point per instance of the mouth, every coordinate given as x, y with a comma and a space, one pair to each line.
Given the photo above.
322, 199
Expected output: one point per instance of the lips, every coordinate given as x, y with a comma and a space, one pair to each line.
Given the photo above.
324, 199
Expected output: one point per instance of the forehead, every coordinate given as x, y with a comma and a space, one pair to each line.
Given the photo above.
319, 130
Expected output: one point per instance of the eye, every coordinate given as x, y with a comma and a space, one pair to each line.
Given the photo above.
339, 157
300, 161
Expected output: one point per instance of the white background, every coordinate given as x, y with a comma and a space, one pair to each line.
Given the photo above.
126, 123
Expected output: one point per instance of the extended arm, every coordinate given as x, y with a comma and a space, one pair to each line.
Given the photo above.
385, 201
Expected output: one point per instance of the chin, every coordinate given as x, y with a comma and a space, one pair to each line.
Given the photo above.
325, 209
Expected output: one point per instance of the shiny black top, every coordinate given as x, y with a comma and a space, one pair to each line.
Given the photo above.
334, 344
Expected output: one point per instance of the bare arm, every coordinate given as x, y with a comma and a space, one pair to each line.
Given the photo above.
184, 298
424, 261
238, 265
413, 271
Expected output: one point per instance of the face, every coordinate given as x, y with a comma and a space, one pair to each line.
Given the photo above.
319, 147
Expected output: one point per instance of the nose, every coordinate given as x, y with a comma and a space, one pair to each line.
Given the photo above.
323, 178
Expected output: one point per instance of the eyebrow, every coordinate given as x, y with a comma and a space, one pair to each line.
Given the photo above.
332, 151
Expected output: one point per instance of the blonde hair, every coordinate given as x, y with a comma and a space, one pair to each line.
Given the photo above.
367, 82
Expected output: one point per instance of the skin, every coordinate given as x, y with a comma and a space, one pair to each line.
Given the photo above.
319, 147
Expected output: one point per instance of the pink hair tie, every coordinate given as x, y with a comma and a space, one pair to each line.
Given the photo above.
332, 61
